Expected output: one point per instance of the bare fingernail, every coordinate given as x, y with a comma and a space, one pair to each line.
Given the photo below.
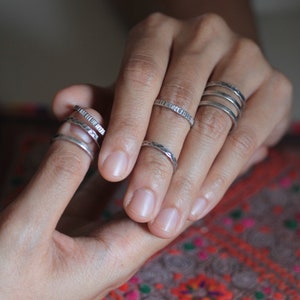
198, 208
142, 203
116, 164
167, 220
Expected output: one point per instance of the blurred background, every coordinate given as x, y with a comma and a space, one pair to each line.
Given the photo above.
46, 45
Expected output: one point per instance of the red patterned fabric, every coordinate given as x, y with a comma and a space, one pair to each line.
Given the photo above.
247, 248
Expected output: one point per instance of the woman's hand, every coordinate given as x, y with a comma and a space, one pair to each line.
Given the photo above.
174, 60
39, 262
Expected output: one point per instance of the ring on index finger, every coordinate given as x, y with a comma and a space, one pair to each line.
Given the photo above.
86, 134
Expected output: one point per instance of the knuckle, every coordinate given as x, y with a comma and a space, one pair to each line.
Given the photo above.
243, 142
247, 48
154, 20
221, 181
158, 165
181, 90
131, 129
207, 27
212, 123
282, 86
65, 162
184, 185
141, 69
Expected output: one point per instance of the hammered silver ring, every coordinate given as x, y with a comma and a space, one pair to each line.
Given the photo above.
163, 150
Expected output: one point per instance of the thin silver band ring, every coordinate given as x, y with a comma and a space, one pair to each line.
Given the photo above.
230, 87
74, 141
90, 119
227, 97
92, 133
221, 107
163, 150
175, 108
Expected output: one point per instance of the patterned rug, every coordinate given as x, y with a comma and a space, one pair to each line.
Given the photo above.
247, 248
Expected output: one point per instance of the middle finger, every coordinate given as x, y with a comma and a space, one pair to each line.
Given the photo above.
190, 66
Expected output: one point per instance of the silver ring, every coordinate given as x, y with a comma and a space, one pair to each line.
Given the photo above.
221, 107
90, 119
236, 99
163, 150
177, 109
92, 133
230, 87
74, 141
227, 97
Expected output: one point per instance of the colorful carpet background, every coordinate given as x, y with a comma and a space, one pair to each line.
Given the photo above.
247, 248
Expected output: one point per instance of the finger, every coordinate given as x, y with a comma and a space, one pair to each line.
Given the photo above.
259, 155
122, 256
83, 95
276, 134
64, 167
207, 137
87, 205
252, 131
190, 65
143, 69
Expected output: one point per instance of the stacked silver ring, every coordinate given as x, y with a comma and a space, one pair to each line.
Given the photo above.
89, 125
231, 102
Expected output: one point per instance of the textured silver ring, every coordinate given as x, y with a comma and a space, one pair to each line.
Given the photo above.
74, 141
230, 87
175, 108
163, 150
90, 119
92, 133
221, 107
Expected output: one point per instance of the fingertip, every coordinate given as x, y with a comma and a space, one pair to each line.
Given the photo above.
65, 99
114, 166
166, 224
140, 205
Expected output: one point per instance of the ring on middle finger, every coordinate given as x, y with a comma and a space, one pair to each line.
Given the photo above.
175, 108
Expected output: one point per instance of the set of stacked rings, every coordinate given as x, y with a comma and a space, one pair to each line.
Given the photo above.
218, 94
232, 104
88, 124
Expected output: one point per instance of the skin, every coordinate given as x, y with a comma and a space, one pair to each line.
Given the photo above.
54, 247
175, 65
45, 255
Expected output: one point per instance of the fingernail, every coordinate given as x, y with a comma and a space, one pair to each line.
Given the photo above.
142, 203
116, 164
167, 220
198, 208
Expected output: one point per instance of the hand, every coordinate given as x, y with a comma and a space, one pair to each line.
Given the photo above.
40, 262
174, 60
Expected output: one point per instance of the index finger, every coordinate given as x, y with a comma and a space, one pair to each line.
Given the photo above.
141, 75
43, 201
